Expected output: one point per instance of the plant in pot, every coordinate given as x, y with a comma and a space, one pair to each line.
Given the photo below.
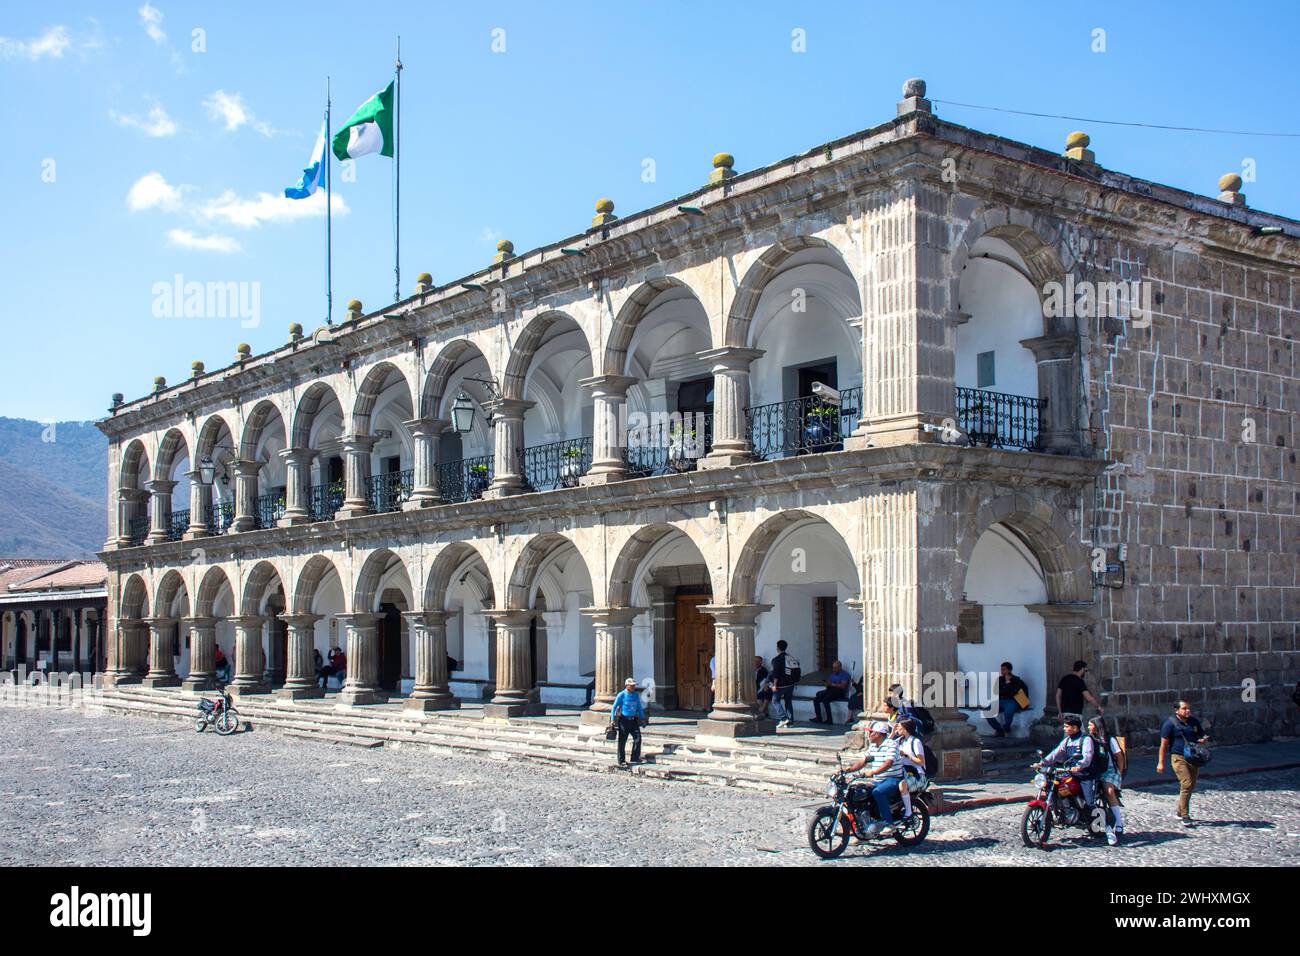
983, 422
819, 425
571, 464
478, 478
681, 446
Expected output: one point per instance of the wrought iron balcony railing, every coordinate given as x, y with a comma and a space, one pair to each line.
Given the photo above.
557, 464
803, 425
466, 479
221, 515
998, 420
669, 444
388, 491
137, 529
268, 509
177, 524
324, 500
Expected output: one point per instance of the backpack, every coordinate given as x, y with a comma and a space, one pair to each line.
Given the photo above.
1100, 760
921, 719
793, 672
931, 762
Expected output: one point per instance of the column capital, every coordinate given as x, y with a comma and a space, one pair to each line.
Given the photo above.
609, 385
246, 467
510, 617
247, 620
612, 616
733, 358
300, 619
508, 408
200, 621
298, 456
427, 426
359, 443
160, 486
1078, 614
426, 618
1053, 347
132, 494
734, 615
359, 618
159, 621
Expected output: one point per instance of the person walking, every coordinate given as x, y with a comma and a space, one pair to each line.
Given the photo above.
783, 684
1072, 691
1180, 734
1010, 689
762, 686
627, 714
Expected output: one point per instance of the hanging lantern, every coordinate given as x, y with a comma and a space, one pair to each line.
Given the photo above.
462, 414
207, 470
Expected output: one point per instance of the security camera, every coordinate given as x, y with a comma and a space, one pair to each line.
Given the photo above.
826, 393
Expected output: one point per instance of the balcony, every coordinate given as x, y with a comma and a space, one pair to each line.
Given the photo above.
464, 480
999, 420
558, 464
802, 426
389, 491
177, 524
324, 500
669, 446
221, 515
137, 529
268, 509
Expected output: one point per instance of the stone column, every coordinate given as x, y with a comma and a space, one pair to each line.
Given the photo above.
735, 699
508, 425
203, 654
200, 500
130, 504
613, 658
123, 665
356, 472
273, 664
609, 397
424, 478
515, 694
362, 683
160, 521
162, 663
297, 486
429, 633
1058, 382
300, 676
1067, 627
730, 401
248, 656
245, 495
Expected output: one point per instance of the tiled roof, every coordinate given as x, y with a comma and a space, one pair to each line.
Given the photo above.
33, 575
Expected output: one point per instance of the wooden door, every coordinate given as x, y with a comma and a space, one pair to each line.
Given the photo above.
694, 648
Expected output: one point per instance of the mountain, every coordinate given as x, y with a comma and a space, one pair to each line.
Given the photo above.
53, 489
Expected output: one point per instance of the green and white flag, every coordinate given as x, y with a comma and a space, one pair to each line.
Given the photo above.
370, 130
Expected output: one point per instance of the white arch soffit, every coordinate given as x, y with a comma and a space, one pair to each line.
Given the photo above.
477, 583
640, 596
854, 584
1019, 545
976, 263
394, 576
820, 281
551, 564
392, 418
686, 312
543, 391
328, 418
996, 249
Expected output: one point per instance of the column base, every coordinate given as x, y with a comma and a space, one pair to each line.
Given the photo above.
247, 690
417, 503
193, 684
957, 745
120, 679
527, 708
725, 460
240, 525
352, 511
156, 538
166, 680
593, 720
602, 477
756, 727
290, 520
360, 698
193, 534
299, 693
430, 704
504, 490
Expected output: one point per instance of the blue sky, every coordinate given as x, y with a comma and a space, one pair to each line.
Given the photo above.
160, 153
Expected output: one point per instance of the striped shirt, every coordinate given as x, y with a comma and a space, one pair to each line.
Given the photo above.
879, 754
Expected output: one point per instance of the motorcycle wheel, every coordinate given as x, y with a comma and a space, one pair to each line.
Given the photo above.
200, 725
824, 838
227, 723
1035, 827
913, 833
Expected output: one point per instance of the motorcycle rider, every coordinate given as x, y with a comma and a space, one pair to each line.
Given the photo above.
1075, 752
886, 772
911, 756
1112, 778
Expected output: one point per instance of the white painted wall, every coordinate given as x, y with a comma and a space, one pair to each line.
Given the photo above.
1004, 309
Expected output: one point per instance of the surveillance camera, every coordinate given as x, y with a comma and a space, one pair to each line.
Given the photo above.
826, 393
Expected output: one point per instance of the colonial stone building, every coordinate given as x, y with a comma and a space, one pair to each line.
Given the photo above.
853, 400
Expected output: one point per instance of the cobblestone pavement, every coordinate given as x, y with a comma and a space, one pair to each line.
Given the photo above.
126, 791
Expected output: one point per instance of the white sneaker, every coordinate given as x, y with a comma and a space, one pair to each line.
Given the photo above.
1111, 838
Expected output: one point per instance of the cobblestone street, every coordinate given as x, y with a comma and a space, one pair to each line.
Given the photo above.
114, 791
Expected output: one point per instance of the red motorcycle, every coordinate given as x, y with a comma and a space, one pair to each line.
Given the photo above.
1060, 802
220, 713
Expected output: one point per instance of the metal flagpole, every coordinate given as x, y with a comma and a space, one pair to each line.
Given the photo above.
397, 170
329, 252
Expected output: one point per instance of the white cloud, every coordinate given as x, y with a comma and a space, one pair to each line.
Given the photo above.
152, 191
267, 207
156, 124
52, 43
229, 110
151, 17
186, 239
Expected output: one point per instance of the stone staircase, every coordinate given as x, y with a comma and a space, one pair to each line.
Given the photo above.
670, 753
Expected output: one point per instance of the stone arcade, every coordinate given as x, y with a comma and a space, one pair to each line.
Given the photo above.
905, 461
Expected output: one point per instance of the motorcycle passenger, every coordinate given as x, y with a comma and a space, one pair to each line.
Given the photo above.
911, 756
1075, 753
1113, 777
885, 771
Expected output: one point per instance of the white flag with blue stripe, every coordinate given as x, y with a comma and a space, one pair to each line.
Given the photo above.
313, 176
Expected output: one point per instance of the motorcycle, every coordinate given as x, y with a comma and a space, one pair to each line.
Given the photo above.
219, 713
852, 811
1060, 802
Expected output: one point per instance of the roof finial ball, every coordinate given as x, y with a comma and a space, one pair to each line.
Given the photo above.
604, 212
914, 100
1230, 190
423, 282
505, 250
196, 368
243, 352
354, 310
1076, 147
159, 383
722, 167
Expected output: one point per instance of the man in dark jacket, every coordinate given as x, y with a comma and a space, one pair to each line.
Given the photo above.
1008, 686
783, 684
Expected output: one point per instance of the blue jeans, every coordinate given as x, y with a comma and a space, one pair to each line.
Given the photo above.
1007, 710
885, 792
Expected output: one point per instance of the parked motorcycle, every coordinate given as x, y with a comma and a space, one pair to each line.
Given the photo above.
219, 713
852, 811
1060, 802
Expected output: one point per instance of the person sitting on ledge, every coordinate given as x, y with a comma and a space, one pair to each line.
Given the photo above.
837, 688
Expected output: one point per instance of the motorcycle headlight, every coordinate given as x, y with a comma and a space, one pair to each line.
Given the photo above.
1040, 779
831, 788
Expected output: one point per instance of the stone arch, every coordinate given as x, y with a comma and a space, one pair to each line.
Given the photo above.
170, 588
634, 553
621, 333
1047, 535
377, 567
171, 449
449, 559
210, 588
536, 553
754, 554
134, 603
263, 415
450, 357
1043, 263
210, 435
759, 274
135, 462
309, 580
259, 579
316, 397
526, 346
376, 381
